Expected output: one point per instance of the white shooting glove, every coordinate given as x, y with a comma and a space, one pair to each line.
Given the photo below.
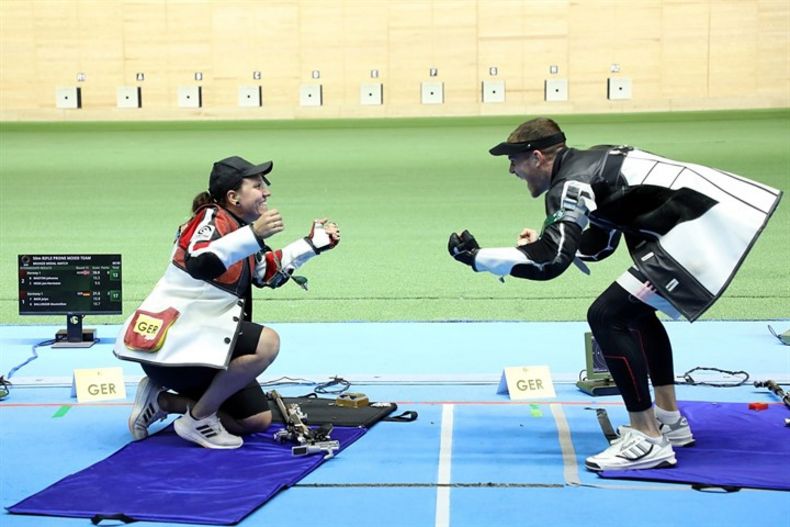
319, 239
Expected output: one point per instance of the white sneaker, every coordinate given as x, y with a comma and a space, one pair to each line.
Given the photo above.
145, 410
207, 432
678, 433
621, 431
633, 451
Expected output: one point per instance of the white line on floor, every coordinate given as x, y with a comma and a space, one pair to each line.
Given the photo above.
445, 463
570, 469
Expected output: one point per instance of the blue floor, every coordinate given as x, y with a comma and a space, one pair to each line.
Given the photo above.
505, 465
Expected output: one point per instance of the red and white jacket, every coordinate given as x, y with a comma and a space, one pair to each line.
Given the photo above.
215, 261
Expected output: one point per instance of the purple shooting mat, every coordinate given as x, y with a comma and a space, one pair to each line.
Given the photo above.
164, 478
735, 447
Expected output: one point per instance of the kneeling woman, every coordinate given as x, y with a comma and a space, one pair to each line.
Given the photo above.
194, 335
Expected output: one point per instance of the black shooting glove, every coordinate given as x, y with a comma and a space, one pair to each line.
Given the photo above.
463, 248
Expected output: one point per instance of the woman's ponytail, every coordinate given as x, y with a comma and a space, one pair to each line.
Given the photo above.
204, 198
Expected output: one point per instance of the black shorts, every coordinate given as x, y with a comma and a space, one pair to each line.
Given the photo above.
193, 381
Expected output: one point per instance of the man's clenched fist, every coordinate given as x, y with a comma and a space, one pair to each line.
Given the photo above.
463, 248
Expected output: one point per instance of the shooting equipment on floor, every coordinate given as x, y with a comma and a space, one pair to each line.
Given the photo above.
308, 440
776, 389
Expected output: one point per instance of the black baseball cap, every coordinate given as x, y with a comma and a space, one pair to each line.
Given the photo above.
509, 149
228, 173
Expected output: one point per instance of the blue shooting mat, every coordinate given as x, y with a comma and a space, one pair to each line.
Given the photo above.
735, 447
164, 478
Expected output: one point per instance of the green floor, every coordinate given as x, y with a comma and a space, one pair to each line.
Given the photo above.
397, 188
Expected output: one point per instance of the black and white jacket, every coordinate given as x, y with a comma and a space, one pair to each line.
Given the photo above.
688, 227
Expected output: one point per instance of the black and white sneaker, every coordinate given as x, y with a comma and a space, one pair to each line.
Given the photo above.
207, 432
633, 451
145, 410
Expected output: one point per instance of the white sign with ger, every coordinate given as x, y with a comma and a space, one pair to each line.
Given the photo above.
526, 382
98, 384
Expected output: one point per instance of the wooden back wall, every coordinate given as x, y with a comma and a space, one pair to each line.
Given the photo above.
678, 54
